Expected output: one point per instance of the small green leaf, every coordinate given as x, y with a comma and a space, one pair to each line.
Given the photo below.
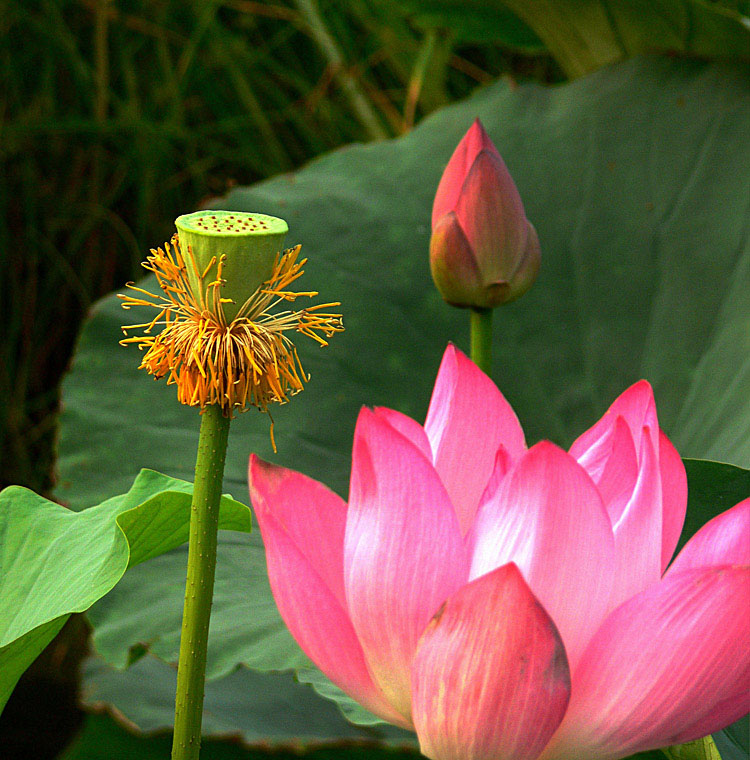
700, 749
54, 562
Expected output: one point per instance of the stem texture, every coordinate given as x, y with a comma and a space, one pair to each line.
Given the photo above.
199, 588
481, 339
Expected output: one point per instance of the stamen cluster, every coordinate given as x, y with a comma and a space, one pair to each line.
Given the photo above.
248, 361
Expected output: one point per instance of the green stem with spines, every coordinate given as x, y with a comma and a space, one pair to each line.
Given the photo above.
199, 588
481, 338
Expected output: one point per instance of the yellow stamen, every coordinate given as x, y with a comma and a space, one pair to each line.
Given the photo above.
246, 362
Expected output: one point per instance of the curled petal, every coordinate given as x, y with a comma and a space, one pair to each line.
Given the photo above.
403, 551
612, 463
637, 408
668, 666
490, 679
548, 518
673, 498
306, 579
725, 540
468, 420
638, 540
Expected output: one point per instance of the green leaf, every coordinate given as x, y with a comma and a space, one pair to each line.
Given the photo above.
584, 35
701, 749
632, 178
714, 487
475, 21
103, 739
54, 562
734, 741
261, 708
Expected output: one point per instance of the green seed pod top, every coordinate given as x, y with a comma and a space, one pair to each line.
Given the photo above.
249, 242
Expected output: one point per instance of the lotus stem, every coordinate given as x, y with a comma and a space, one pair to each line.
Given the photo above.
481, 339
199, 588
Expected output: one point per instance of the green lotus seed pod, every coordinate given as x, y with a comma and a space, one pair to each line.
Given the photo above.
249, 242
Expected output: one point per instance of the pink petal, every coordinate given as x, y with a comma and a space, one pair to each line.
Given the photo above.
674, 498
452, 263
305, 579
408, 427
491, 214
468, 420
313, 516
638, 541
403, 551
636, 406
725, 540
612, 463
548, 518
490, 677
669, 665
474, 141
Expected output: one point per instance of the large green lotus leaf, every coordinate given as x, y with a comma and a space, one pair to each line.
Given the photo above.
260, 708
54, 562
633, 178
101, 738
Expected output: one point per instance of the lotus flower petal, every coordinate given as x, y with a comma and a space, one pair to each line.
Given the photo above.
548, 518
491, 214
638, 531
665, 667
673, 498
454, 268
306, 575
637, 408
466, 423
473, 142
490, 677
725, 540
612, 463
403, 551
408, 427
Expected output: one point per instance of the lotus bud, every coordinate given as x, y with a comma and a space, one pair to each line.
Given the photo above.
245, 244
483, 251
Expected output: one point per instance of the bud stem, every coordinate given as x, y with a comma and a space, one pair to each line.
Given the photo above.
199, 588
481, 339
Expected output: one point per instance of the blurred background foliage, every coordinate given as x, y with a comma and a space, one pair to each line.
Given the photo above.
118, 115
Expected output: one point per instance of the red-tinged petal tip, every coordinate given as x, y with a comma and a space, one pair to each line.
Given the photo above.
475, 140
491, 214
490, 678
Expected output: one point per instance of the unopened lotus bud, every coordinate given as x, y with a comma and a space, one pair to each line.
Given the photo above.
483, 251
245, 244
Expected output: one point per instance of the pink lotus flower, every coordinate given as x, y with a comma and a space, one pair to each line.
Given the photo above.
483, 250
511, 603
